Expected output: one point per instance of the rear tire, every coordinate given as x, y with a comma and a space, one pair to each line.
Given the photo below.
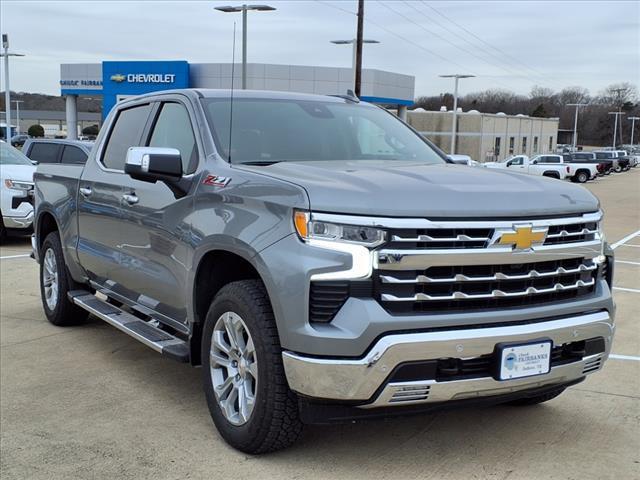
55, 283
582, 177
545, 397
246, 388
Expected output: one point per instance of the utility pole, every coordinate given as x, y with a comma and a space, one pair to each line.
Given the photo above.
359, 47
18, 102
615, 128
7, 91
454, 125
575, 122
633, 127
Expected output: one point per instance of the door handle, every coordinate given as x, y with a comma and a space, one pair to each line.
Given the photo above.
131, 199
85, 191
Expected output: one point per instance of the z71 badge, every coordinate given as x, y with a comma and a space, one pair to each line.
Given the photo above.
216, 181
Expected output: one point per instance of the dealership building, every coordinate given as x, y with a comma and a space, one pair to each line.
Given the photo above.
487, 137
115, 81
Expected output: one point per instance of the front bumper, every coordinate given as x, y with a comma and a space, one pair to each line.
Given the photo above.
364, 381
18, 222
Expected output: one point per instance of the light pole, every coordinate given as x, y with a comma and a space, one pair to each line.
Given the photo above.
457, 76
354, 60
633, 127
18, 102
244, 9
615, 127
575, 122
7, 91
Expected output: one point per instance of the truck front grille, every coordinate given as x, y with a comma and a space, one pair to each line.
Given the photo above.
484, 286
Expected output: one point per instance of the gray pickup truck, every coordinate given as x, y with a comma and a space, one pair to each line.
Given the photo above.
322, 262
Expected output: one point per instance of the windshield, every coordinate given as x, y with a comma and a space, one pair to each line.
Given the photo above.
280, 130
11, 156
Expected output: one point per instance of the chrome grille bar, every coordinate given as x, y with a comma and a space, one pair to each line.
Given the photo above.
428, 238
564, 233
558, 287
497, 276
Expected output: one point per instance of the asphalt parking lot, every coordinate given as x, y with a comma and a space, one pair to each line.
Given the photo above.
90, 402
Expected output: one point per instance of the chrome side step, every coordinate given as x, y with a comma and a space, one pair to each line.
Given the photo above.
153, 337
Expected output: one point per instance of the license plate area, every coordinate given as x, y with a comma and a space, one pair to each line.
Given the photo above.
520, 360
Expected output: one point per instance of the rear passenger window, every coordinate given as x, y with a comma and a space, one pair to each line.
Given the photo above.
173, 130
125, 133
45, 152
73, 155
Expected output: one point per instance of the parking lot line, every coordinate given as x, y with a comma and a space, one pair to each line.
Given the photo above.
624, 357
630, 245
634, 290
625, 239
8, 257
627, 262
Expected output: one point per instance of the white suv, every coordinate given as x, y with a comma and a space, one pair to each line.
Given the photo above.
16, 190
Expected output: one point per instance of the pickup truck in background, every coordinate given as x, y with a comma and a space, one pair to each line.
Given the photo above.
620, 163
522, 164
576, 172
322, 262
604, 165
16, 192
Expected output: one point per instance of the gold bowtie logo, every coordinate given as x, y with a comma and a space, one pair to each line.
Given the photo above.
523, 237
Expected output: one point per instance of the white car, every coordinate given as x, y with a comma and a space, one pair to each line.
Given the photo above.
463, 160
16, 191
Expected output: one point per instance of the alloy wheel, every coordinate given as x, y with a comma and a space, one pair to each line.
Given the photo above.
50, 279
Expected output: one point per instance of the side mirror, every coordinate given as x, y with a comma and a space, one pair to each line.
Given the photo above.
151, 164
535, 162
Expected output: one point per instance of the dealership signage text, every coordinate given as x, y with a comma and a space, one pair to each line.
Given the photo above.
147, 77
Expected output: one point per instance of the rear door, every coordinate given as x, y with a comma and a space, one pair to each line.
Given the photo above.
156, 229
100, 197
45, 152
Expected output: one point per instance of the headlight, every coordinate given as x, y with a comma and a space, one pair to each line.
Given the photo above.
13, 185
310, 229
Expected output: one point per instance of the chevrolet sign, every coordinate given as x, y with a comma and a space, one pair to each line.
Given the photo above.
145, 78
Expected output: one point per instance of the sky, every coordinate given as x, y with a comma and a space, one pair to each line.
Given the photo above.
510, 45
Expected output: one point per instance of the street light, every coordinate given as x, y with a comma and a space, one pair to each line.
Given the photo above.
457, 76
575, 122
7, 91
615, 128
244, 9
353, 42
633, 127
18, 102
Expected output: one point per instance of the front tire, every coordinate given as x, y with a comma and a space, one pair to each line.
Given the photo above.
244, 381
55, 283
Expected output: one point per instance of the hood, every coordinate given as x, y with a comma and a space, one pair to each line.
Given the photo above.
407, 189
22, 173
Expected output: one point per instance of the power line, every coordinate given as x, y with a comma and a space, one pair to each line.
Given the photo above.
492, 64
473, 44
502, 52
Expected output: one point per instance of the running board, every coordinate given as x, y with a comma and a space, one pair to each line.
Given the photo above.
153, 337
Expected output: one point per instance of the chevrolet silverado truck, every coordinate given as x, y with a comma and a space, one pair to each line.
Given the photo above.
322, 262
620, 162
605, 166
522, 164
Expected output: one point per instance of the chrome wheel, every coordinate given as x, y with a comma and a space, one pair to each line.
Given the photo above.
234, 368
50, 279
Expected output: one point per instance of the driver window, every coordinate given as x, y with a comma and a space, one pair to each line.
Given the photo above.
517, 161
173, 130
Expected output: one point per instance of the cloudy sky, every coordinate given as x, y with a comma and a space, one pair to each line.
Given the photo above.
507, 44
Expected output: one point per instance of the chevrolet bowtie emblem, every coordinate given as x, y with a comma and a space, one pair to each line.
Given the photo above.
523, 237
118, 77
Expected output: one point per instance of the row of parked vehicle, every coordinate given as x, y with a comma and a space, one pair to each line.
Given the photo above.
578, 167
16, 187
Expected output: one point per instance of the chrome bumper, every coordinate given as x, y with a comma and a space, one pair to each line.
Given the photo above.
360, 379
18, 222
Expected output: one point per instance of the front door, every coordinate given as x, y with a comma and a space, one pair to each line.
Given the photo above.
155, 246
100, 197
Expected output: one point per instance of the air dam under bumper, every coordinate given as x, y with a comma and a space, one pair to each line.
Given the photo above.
364, 380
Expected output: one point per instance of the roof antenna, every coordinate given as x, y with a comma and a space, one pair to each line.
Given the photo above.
233, 65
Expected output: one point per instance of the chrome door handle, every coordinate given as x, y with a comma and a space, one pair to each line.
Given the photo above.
131, 199
85, 191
